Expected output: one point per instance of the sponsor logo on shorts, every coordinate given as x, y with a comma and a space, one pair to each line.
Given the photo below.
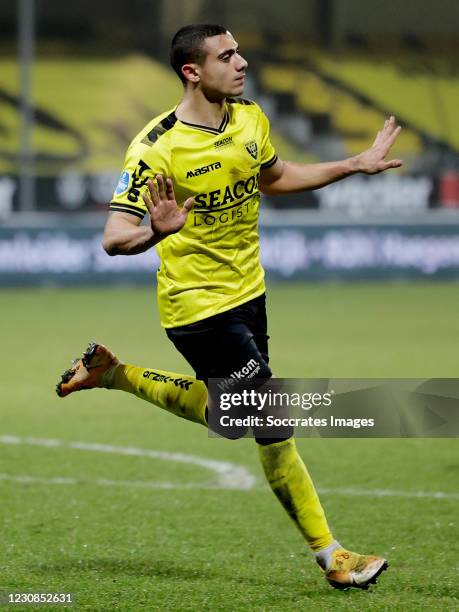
249, 370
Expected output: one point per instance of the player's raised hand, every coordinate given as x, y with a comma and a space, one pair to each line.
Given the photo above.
373, 160
166, 216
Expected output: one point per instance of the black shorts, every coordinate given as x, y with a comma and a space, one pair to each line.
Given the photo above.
229, 343
232, 344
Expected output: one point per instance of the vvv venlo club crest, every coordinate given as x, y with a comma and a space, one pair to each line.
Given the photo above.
252, 148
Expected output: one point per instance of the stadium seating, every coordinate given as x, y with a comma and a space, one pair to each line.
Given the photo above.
424, 94
348, 94
333, 109
88, 110
323, 105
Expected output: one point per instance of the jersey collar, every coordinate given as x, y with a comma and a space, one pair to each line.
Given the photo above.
206, 128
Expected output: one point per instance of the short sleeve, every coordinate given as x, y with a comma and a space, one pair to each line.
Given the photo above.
268, 154
142, 163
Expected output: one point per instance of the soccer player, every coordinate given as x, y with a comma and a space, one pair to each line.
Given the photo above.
197, 170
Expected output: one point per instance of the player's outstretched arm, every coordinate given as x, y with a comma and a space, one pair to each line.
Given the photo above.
123, 234
289, 177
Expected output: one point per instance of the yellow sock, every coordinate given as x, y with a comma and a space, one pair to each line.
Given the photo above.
290, 481
180, 394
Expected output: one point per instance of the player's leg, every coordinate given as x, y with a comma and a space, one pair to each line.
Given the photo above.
291, 483
283, 467
179, 394
222, 348
219, 347
208, 347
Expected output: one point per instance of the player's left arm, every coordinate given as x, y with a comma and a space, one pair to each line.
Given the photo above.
290, 177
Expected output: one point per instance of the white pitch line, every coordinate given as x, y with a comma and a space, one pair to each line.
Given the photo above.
389, 493
228, 475
141, 484
102, 482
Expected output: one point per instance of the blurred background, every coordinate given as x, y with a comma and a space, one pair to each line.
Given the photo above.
78, 81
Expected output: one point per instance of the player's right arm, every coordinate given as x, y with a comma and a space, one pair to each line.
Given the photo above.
123, 234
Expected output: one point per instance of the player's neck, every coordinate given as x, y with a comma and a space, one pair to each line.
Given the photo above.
196, 108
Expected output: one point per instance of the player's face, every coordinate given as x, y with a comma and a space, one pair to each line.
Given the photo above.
222, 73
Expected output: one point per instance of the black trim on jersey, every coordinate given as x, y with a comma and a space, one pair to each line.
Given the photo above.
206, 128
126, 208
240, 101
163, 126
270, 162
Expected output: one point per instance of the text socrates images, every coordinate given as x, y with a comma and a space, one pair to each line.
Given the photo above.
354, 408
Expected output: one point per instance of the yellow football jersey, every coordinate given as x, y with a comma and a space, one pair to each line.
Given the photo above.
212, 264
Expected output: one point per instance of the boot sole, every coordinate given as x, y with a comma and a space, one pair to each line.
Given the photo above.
70, 373
364, 586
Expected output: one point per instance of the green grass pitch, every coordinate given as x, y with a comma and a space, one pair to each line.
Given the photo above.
186, 547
